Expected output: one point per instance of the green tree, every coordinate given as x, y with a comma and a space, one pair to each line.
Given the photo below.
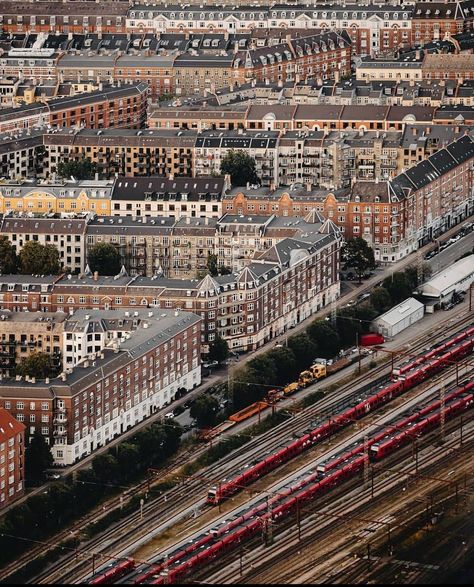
325, 337
212, 264
284, 363
356, 253
79, 169
218, 349
128, 458
39, 365
204, 410
380, 299
105, 468
104, 258
411, 273
38, 458
241, 168
224, 270
39, 259
8, 260
398, 286
305, 350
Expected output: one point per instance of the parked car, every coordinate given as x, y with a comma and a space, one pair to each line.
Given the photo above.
169, 415
178, 410
210, 364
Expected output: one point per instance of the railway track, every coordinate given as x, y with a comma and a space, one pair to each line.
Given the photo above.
178, 499
284, 563
206, 539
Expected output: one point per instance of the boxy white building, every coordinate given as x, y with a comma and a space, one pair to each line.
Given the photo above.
457, 277
399, 318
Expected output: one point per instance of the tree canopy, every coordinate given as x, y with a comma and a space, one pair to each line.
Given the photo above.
39, 365
38, 458
398, 286
39, 259
218, 349
240, 167
79, 169
104, 258
357, 254
8, 260
204, 409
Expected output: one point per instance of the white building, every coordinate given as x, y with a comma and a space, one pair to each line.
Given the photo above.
457, 277
399, 318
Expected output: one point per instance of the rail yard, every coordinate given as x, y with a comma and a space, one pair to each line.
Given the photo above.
334, 462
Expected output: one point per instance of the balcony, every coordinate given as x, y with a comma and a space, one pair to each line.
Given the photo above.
59, 433
61, 419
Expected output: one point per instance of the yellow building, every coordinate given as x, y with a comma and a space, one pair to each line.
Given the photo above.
41, 197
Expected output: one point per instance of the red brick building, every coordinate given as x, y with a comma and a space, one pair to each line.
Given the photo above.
12, 458
65, 17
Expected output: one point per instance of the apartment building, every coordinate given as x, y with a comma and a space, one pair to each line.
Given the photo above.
20, 154
68, 236
108, 107
144, 358
23, 333
291, 271
173, 197
123, 152
56, 197
64, 17
26, 293
12, 458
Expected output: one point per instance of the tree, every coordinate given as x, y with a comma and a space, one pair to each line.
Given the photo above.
39, 365
305, 350
38, 458
105, 468
104, 258
325, 337
212, 264
79, 169
380, 299
411, 273
284, 363
398, 286
240, 167
128, 457
218, 349
39, 259
357, 254
8, 260
204, 409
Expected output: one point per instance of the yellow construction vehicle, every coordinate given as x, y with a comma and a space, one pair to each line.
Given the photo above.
291, 388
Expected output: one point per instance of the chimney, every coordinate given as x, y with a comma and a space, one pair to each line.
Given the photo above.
418, 54
63, 376
46, 380
428, 130
414, 131
308, 187
96, 275
171, 176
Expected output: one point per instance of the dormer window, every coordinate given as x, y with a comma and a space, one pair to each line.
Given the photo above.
386, 16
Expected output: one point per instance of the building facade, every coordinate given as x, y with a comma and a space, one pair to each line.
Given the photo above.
145, 357
12, 458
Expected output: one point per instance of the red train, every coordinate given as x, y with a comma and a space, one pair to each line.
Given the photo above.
413, 374
231, 534
445, 345
112, 572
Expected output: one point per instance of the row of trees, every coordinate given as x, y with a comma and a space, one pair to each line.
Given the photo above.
33, 259
38, 259
65, 501
281, 365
